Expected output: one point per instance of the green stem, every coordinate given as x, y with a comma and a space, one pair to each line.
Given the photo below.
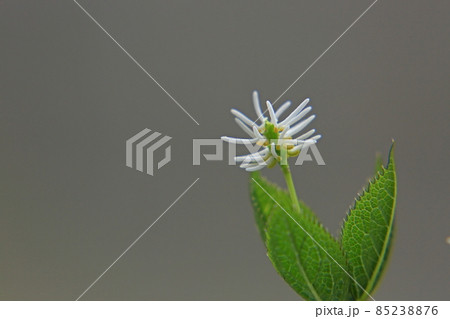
290, 185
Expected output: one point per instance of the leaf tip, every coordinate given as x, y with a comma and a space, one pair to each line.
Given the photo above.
391, 154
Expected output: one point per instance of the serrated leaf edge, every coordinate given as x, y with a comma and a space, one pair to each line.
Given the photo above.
372, 284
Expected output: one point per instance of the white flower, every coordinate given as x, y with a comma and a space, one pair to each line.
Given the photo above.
274, 136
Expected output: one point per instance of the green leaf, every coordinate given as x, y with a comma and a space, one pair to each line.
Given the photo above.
263, 205
307, 257
368, 230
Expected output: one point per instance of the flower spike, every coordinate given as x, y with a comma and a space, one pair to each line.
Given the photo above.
274, 137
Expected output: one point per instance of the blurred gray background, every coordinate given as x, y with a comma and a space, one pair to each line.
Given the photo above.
70, 98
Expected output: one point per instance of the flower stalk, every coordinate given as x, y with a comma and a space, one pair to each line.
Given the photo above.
290, 185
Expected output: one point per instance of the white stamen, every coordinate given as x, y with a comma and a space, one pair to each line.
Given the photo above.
312, 140
286, 129
282, 108
297, 117
257, 133
296, 148
255, 168
257, 106
306, 135
234, 140
273, 118
296, 111
300, 126
254, 161
244, 127
251, 156
242, 117
302, 144
282, 142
